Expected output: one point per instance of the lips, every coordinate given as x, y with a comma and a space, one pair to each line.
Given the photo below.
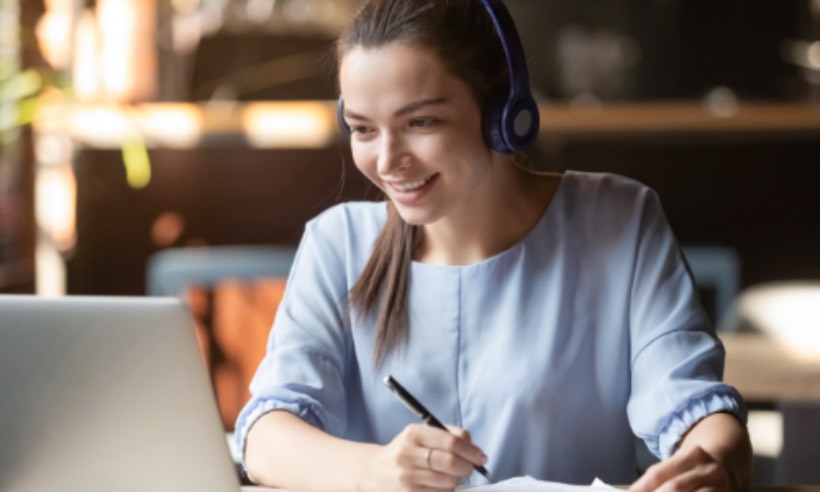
410, 193
411, 185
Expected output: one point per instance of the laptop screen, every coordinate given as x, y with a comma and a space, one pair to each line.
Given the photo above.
106, 393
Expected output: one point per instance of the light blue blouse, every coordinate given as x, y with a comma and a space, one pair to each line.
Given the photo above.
553, 353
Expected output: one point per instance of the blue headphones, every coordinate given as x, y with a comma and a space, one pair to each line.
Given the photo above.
511, 118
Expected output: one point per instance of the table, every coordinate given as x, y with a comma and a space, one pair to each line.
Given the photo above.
772, 374
798, 488
766, 371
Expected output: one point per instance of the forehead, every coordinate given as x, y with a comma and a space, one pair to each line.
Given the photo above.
394, 69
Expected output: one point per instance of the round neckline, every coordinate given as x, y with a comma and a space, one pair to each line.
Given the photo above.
502, 254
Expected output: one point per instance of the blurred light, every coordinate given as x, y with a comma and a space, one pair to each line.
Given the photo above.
813, 54
766, 432
53, 148
127, 49
308, 124
789, 313
101, 125
86, 77
722, 102
184, 6
175, 125
259, 11
53, 32
802, 53
171, 125
289, 124
167, 229
50, 270
55, 202
186, 31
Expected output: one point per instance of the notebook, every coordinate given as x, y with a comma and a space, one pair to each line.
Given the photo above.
106, 394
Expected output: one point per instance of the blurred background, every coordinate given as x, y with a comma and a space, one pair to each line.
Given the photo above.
168, 123
133, 128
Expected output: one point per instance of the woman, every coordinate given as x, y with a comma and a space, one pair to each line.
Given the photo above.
552, 315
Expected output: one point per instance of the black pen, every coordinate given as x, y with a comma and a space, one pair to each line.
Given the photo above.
424, 414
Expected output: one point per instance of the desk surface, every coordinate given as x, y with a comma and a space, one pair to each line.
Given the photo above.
764, 370
782, 488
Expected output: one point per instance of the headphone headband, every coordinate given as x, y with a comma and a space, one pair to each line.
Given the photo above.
511, 43
512, 123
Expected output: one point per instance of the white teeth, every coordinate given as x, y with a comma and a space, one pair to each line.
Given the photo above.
410, 186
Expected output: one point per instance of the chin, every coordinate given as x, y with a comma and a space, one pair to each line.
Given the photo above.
416, 217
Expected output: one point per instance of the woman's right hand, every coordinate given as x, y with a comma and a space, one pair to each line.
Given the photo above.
423, 458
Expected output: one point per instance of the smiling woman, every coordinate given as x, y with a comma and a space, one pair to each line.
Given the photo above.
421, 137
552, 315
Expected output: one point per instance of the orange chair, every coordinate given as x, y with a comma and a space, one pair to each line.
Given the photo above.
233, 293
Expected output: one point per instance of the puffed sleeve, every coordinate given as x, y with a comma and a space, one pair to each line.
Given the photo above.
303, 369
676, 359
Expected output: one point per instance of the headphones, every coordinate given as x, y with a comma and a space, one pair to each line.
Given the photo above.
510, 118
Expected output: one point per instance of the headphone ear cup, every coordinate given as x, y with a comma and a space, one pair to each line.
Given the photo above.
340, 116
493, 121
520, 123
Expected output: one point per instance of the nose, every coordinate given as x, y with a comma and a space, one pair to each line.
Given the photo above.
393, 155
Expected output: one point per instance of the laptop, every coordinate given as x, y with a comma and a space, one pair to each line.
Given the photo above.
107, 394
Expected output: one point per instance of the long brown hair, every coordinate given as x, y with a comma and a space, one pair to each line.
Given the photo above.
462, 35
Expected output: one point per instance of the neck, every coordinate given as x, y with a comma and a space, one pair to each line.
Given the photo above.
502, 216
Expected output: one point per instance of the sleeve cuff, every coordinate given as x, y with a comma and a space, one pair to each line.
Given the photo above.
692, 413
302, 411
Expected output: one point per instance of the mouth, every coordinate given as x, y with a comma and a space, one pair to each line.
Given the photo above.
411, 186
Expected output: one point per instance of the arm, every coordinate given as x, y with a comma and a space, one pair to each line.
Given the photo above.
715, 453
284, 451
679, 405
291, 432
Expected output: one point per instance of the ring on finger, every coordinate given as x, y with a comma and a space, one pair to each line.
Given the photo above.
427, 457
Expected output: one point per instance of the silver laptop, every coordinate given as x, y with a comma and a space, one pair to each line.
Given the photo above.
106, 394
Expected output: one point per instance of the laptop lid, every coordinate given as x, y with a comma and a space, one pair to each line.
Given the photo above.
106, 393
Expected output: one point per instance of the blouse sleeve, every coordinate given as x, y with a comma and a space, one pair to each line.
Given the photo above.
303, 369
676, 359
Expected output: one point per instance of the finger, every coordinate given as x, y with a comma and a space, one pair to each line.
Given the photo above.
445, 462
659, 473
703, 476
435, 438
458, 431
432, 479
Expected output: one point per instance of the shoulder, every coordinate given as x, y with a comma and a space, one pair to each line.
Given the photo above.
607, 185
608, 195
350, 219
347, 230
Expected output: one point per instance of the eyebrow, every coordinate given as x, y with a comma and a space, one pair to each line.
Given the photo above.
414, 106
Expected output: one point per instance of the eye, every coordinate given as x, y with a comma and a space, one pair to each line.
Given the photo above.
360, 130
422, 122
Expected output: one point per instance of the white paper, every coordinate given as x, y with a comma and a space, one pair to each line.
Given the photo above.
529, 484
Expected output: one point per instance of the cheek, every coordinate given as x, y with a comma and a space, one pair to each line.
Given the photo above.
366, 161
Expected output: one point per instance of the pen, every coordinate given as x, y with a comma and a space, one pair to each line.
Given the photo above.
424, 414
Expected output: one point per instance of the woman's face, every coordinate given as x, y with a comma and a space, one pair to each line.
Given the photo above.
416, 131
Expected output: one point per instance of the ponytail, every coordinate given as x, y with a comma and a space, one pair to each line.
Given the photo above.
383, 285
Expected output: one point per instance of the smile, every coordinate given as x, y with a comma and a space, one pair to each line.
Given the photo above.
405, 187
